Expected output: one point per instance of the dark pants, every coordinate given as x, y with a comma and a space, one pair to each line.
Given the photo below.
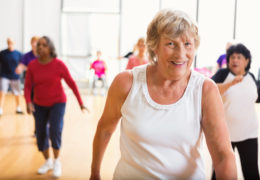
248, 153
49, 124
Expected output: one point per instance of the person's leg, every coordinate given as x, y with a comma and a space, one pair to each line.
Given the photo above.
4, 84
2, 99
94, 91
248, 152
213, 176
41, 115
103, 87
104, 79
56, 125
15, 86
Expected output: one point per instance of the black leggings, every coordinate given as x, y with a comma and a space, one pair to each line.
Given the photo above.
248, 153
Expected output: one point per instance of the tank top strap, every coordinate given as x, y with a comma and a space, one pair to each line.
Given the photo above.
139, 75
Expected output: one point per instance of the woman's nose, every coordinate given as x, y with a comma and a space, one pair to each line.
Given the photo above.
180, 52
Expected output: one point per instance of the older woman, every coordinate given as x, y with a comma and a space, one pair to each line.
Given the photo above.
44, 75
164, 107
239, 93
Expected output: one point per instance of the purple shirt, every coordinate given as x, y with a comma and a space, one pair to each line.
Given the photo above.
27, 58
222, 60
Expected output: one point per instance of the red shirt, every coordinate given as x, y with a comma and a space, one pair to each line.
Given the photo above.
45, 79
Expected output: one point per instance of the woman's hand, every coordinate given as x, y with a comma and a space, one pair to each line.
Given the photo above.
83, 108
237, 79
30, 108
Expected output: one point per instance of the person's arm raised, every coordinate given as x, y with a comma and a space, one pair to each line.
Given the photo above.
223, 87
107, 124
216, 133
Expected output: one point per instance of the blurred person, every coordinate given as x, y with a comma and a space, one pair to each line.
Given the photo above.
9, 60
139, 58
164, 109
99, 67
239, 93
44, 75
127, 55
222, 60
28, 57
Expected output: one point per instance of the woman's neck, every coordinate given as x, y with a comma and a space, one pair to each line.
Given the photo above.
141, 57
45, 60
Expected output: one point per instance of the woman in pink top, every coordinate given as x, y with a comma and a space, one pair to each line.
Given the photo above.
140, 58
44, 76
99, 67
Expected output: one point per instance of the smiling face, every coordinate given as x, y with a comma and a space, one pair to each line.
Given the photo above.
175, 56
238, 63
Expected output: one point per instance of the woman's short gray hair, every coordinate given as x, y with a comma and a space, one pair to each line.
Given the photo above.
172, 24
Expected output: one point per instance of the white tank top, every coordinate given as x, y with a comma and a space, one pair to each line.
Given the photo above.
161, 141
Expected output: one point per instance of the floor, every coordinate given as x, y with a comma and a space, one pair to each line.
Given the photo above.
20, 159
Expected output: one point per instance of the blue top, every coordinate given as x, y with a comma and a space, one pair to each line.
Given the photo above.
8, 62
27, 58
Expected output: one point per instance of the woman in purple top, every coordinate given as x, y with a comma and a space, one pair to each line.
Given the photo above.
28, 57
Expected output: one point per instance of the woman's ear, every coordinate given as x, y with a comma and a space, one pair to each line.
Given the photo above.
247, 61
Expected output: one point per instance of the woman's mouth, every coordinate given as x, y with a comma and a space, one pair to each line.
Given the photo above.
178, 63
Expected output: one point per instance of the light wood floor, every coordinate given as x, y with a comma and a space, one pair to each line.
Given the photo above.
20, 159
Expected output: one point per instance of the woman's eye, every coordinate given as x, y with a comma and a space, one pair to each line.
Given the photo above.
170, 44
187, 44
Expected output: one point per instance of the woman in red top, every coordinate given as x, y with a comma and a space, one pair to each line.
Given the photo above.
44, 75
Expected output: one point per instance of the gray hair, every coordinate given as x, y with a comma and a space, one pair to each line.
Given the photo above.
172, 24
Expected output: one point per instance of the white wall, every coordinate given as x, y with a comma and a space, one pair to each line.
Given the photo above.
42, 17
248, 29
136, 16
22, 19
11, 22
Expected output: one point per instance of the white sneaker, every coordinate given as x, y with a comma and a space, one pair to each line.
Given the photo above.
19, 110
48, 165
57, 168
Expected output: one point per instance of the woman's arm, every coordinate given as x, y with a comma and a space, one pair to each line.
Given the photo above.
216, 132
28, 91
223, 87
117, 94
71, 83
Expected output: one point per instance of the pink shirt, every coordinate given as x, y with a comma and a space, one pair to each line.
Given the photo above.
99, 67
135, 61
45, 79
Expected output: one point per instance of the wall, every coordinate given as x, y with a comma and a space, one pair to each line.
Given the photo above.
22, 19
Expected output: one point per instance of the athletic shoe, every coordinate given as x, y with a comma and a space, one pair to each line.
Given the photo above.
57, 168
48, 165
19, 110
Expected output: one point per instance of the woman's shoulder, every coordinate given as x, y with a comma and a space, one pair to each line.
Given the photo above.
59, 63
33, 63
122, 83
209, 88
